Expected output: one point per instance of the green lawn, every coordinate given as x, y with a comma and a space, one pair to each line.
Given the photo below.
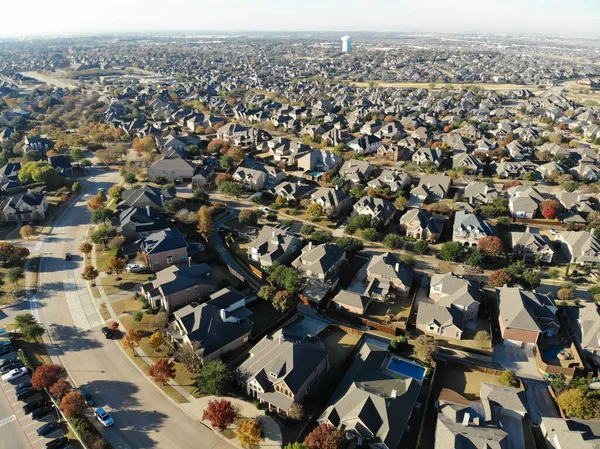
126, 282
102, 257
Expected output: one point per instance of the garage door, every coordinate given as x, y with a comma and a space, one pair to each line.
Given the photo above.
514, 343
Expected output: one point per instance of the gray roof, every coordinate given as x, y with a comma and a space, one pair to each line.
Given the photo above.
432, 223
352, 299
526, 310
178, 277
144, 194
319, 259
272, 243
389, 266
464, 221
440, 315
330, 196
583, 245
165, 240
455, 290
380, 208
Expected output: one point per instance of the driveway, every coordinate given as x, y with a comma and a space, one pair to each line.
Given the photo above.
519, 360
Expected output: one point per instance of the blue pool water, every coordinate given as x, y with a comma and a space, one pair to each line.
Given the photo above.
316, 174
551, 352
406, 368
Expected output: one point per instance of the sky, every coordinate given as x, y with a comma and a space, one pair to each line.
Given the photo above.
577, 18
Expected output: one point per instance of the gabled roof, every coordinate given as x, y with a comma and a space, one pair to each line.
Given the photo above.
526, 310
319, 259
389, 266
161, 241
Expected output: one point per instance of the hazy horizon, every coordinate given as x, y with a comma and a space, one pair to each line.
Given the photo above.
581, 18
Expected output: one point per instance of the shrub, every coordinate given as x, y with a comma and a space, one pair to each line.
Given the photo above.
370, 234
138, 316
509, 379
422, 247
393, 241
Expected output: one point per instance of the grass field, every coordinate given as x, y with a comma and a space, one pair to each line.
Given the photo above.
11, 292
126, 281
126, 305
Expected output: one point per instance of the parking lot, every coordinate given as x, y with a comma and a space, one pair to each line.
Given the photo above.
18, 430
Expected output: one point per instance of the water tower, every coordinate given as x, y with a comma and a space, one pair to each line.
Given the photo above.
346, 44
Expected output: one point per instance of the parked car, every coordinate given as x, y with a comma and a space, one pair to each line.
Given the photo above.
134, 268
26, 394
4, 343
28, 408
107, 332
40, 412
68, 256
89, 400
6, 350
47, 428
12, 358
104, 418
22, 386
59, 443
14, 374
11, 366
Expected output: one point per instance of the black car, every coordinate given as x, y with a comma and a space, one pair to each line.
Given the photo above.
107, 332
40, 412
47, 428
26, 394
28, 408
6, 349
10, 360
59, 443
5, 369
22, 386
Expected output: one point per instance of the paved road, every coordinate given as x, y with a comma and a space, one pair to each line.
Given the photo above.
144, 417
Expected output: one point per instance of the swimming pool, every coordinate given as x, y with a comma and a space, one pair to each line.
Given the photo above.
316, 174
406, 368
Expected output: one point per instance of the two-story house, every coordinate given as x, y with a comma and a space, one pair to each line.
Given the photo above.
174, 170
469, 228
161, 249
251, 179
334, 200
388, 276
274, 245
531, 246
27, 206
420, 224
319, 161
321, 266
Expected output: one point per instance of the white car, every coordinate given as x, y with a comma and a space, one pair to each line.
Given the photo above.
14, 374
134, 268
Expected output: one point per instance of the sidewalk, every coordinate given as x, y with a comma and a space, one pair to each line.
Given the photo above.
271, 431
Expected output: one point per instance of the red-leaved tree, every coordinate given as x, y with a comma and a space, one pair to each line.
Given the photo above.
73, 404
60, 388
325, 437
499, 278
221, 414
162, 371
46, 375
491, 246
550, 212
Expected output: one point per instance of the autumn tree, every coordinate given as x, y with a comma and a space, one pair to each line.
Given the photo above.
47, 375
296, 412
491, 246
116, 192
550, 212
222, 177
217, 145
86, 248
60, 388
248, 217
188, 355
132, 339
236, 153
248, 432
325, 436
26, 231
95, 202
499, 278
424, 348
115, 265
162, 371
282, 300
509, 379
566, 293
73, 404
578, 404
205, 222
157, 340
10, 253
315, 210
220, 413
400, 203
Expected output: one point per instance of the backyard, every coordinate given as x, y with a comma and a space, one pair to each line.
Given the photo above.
462, 380
263, 316
11, 292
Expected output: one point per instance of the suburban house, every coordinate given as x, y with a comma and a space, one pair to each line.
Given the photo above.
350, 301
321, 266
420, 224
495, 421
380, 210
274, 175
61, 164
572, 433
143, 197
580, 247
335, 201
28, 206
393, 179
274, 245
433, 187
364, 145
371, 403
355, 171
466, 162
584, 323
454, 303
319, 161
525, 316
136, 222
293, 191
531, 246
174, 170
514, 169
388, 276
220, 325
281, 372
203, 177
469, 228
160, 249
10, 172
424, 154
251, 179
524, 201
178, 285
477, 192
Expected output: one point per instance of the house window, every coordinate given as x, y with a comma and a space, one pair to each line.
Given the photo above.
182, 257
169, 259
431, 328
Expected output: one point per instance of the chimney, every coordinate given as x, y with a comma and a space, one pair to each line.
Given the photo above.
394, 394
162, 200
273, 233
397, 266
465, 421
280, 337
148, 210
336, 187
189, 261
309, 246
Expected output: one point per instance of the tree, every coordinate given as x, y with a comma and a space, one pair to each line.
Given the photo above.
160, 321
231, 188
550, 211
281, 300
421, 247
315, 210
116, 242
162, 371
73, 404
565, 294
101, 215
559, 383
451, 251
425, 347
114, 326
24, 319
400, 203
408, 259
60, 388
296, 412
531, 279
475, 258
132, 339
95, 202
188, 355
90, 273
102, 235
138, 316
47, 375
76, 187
226, 162
248, 217
577, 404
213, 378
499, 278
14, 274
220, 413
296, 445
157, 340
267, 292
10, 253
509, 379
130, 178
205, 222
248, 432
85, 248
115, 265
116, 192
221, 178
393, 241
285, 277
482, 336
325, 436
370, 234
236, 153
570, 186
26, 231
491, 246
350, 244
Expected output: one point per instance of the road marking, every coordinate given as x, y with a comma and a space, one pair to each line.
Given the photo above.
47, 436
8, 420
